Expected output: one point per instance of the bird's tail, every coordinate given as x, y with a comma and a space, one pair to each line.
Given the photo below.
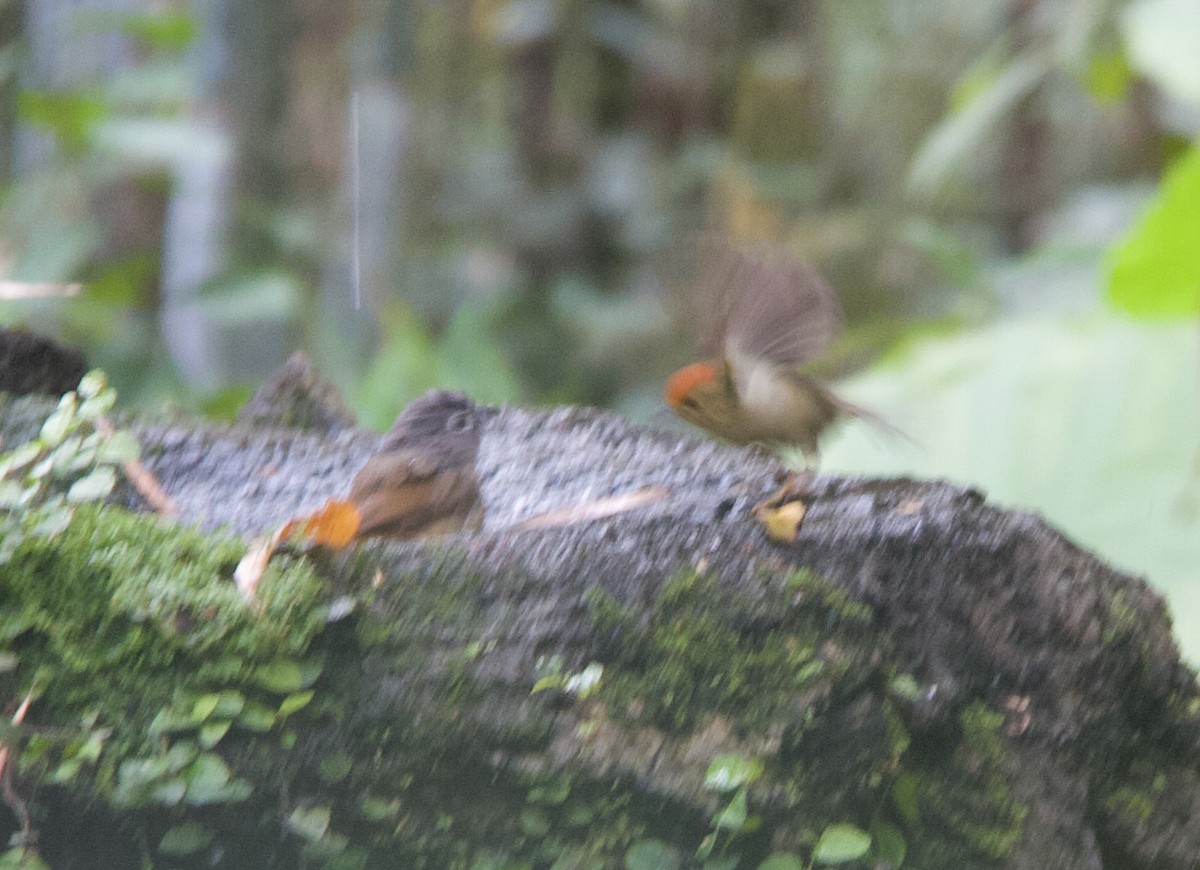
882, 424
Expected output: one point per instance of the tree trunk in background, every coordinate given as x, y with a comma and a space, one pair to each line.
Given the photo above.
1026, 187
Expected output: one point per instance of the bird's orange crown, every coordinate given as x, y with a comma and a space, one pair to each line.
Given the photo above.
687, 379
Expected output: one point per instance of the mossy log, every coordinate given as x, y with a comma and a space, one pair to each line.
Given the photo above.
957, 682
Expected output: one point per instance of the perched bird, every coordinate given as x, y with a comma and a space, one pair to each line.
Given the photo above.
763, 314
423, 479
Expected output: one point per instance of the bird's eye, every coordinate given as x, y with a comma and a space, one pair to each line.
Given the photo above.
690, 403
460, 422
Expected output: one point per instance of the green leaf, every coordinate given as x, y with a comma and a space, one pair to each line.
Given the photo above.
1155, 271
42, 469
94, 486
1109, 76
69, 115
471, 358
180, 755
294, 702
120, 447
534, 823
163, 28
207, 778
53, 521
841, 843
137, 772
170, 792
204, 706
905, 686
20, 858
585, 683
1162, 38
652, 855
781, 861
407, 356
285, 676
727, 863
92, 384
335, 768
20, 457
167, 720
212, 732
888, 844
186, 839
96, 407
264, 297
310, 823
733, 817
1104, 401
66, 771
554, 681
72, 455
230, 704
11, 495
60, 422
282, 677
956, 140
728, 772
379, 810
904, 793
256, 718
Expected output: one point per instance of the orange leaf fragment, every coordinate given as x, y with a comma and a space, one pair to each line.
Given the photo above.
333, 526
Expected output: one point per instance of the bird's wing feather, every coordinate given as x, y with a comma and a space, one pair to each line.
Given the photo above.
396, 494
781, 310
758, 300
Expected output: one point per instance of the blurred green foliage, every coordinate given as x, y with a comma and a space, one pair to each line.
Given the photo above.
1155, 271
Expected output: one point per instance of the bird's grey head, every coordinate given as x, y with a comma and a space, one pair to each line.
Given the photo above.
440, 419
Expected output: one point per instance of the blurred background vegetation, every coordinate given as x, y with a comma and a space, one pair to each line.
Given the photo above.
470, 193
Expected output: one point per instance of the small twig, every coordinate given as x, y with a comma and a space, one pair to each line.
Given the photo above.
30, 290
142, 478
595, 509
11, 798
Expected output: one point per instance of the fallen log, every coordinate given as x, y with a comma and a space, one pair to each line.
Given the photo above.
918, 677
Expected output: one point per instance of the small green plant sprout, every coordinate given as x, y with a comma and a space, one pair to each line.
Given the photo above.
72, 460
582, 685
730, 773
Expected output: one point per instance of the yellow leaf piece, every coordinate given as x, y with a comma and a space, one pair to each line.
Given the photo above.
783, 522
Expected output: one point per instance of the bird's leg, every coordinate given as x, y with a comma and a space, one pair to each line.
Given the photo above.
796, 485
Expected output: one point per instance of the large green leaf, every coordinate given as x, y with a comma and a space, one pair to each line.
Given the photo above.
1162, 38
1090, 420
1155, 272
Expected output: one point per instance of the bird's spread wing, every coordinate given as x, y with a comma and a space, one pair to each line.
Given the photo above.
759, 300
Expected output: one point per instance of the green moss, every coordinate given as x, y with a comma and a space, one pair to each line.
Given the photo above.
123, 620
681, 659
968, 806
1135, 800
1135, 806
405, 635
